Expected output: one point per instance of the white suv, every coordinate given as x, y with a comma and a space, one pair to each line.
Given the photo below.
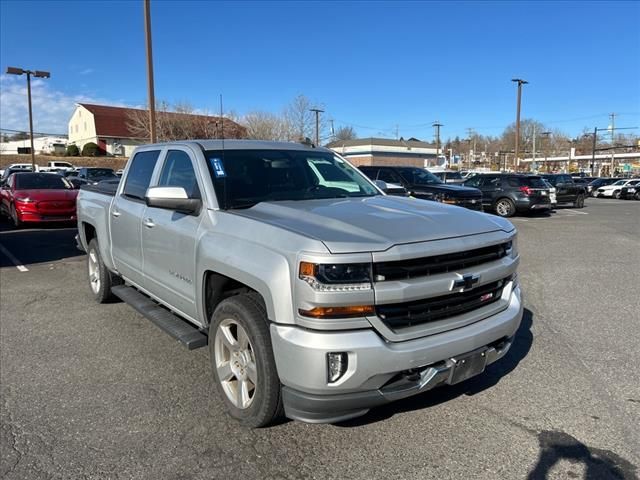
614, 189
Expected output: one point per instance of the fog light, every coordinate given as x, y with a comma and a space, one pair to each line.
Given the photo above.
336, 365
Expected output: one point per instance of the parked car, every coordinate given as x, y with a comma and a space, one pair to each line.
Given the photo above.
17, 166
32, 197
630, 191
315, 301
57, 166
426, 186
552, 193
567, 191
93, 175
448, 176
592, 187
613, 190
506, 194
14, 169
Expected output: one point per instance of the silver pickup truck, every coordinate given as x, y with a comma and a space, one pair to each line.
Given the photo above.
318, 296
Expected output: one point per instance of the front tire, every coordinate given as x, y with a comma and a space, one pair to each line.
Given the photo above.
100, 278
505, 208
579, 203
14, 217
241, 354
616, 194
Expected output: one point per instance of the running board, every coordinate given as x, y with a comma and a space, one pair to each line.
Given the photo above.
184, 332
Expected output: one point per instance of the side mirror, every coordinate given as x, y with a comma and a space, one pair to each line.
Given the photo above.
172, 198
381, 185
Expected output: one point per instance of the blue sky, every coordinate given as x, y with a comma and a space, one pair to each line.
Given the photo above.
372, 65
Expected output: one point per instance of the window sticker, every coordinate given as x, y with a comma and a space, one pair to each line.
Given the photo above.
218, 169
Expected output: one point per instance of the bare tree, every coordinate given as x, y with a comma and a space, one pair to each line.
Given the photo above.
267, 126
302, 120
181, 123
345, 133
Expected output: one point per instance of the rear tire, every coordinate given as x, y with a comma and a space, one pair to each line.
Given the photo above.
636, 196
505, 207
579, 203
100, 278
244, 369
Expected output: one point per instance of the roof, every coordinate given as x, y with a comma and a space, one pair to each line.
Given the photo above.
112, 121
384, 142
230, 144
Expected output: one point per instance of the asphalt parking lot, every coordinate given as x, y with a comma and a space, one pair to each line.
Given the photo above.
97, 392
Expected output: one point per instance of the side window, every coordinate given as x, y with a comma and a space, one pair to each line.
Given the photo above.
388, 176
491, 181
474, 181
178, 172
139, 175
513, 182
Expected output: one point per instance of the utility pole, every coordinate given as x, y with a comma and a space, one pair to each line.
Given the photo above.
593, 152
333, 132
520, 82
533, 162
613, 150
317, 111
152, 97
437, 126
470, 132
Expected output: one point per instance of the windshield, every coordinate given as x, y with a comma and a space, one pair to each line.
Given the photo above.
418, 176
40, 181
620, 182
243, 178
453, 175
100, 173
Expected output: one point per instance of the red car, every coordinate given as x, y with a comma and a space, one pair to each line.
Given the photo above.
38, 197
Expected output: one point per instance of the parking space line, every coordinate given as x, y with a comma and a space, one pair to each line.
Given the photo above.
575, 212
13, 259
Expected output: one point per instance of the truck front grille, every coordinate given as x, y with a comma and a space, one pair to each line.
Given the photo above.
449, 262
401, 315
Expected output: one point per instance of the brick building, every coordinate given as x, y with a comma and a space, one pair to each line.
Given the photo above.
384, 151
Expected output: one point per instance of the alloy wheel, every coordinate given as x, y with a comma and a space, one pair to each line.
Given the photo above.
94, 271
235, 363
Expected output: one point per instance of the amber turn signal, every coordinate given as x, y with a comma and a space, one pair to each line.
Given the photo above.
338, 312
307, 269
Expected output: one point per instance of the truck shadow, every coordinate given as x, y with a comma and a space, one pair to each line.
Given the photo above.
492, 375
598, 463
37, 245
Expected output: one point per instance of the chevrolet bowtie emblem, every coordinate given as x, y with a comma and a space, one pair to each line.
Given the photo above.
466, 282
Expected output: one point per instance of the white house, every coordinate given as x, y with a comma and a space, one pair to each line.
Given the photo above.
103, 125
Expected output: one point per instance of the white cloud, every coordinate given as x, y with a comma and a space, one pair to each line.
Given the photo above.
51, 108
86, 71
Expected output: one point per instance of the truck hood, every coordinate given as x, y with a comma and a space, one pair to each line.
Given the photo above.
373, 224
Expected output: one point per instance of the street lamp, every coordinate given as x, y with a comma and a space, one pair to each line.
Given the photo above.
520, 82
37, 74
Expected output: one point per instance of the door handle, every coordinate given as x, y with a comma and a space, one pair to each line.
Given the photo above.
115, 213
148, 222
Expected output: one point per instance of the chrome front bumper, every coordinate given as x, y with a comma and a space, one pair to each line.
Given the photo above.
378, 371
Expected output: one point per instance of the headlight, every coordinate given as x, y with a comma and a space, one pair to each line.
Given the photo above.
336, 276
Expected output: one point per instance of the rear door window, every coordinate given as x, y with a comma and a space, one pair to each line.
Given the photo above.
490, 181
139, 175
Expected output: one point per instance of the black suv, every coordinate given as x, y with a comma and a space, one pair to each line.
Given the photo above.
567, 191
419, 183
508, 193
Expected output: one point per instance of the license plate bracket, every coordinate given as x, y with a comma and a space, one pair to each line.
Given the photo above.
467, 365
